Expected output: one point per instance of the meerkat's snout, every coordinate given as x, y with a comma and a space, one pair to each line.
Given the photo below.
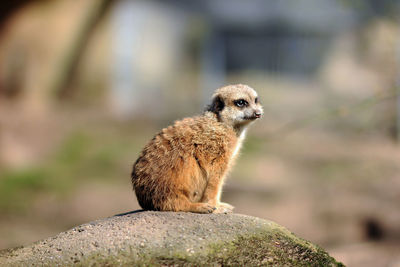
256, 109
258, 113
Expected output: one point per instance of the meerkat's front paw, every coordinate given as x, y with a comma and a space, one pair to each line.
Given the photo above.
205, 208
223, 207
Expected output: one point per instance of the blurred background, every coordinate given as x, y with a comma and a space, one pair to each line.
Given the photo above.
85, 84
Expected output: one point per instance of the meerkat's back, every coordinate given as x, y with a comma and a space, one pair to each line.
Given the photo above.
183, 167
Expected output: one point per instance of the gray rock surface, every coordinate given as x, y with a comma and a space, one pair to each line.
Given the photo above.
150, 238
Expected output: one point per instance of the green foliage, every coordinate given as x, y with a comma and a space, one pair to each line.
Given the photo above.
73, 149
82, 157
17, 187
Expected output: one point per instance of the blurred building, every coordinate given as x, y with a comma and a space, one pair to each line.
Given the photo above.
146, 51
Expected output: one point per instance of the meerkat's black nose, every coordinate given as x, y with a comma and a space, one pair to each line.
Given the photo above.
257, 114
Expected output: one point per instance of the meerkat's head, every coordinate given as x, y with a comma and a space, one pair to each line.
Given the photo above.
236, 105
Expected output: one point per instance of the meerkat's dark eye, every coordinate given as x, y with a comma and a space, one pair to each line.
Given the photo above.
240, 103
256, 100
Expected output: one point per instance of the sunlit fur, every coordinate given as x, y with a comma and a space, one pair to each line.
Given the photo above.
183, 167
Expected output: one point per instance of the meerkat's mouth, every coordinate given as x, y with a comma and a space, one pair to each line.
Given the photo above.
251, 118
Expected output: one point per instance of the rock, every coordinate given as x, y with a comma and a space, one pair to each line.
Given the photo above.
171, 238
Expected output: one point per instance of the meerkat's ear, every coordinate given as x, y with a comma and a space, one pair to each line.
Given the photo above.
216, 105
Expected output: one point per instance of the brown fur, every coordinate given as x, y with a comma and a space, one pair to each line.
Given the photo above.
184, 166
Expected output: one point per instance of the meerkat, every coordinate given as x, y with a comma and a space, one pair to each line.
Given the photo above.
183, 167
